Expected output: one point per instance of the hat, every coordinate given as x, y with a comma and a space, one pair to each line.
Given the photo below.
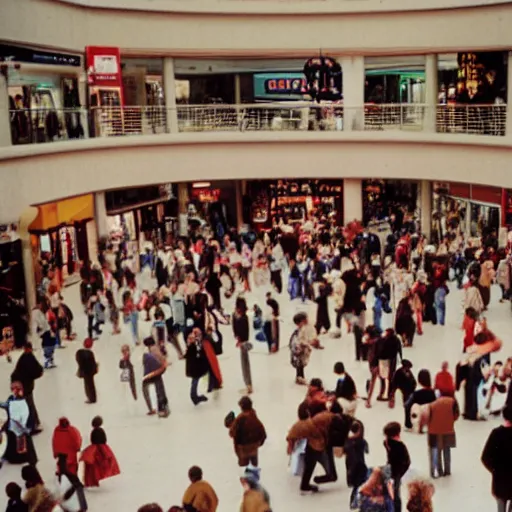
88, 342
251, 474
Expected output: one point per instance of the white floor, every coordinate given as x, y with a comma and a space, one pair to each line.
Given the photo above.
155, 454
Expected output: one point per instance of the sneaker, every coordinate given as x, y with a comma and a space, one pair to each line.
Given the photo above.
309, 488
301, 381
151, 413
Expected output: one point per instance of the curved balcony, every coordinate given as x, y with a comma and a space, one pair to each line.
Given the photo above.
45, 172
265, 28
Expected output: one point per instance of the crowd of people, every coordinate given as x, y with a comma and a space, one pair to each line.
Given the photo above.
382, 290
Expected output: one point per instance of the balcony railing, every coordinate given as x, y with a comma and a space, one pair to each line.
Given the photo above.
48, 125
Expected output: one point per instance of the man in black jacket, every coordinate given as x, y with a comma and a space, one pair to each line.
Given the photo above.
496, 458
345, 392
27, 371
87, 369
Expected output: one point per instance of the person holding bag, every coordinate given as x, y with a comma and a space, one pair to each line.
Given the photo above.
87, 369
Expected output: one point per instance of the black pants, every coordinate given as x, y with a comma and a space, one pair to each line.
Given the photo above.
90, 388
311, 458
360, 348
276, 280
161, 397
299, 371
34, 416
91, 326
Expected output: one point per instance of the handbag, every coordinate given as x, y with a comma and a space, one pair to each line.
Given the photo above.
125, 375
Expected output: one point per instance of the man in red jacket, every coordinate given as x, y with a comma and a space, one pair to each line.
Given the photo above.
66, 443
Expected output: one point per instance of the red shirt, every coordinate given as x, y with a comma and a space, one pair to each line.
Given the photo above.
444, 383
468, 325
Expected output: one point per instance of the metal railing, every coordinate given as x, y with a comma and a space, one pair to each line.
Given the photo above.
472, 119
48, 125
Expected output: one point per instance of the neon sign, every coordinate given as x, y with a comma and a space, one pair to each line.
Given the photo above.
285, 86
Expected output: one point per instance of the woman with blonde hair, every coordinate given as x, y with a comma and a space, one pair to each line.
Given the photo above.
420, 496
376, 494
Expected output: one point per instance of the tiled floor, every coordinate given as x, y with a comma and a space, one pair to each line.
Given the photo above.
155, 454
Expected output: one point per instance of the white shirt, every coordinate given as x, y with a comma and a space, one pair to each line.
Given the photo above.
40, 323
55, 300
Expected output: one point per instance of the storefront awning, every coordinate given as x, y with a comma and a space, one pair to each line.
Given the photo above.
67, 211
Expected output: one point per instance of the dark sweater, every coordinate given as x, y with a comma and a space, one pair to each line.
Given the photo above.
398, 457
98, 436
241, 327
346, 388
497, 457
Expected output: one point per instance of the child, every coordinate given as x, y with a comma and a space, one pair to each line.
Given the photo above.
355, 449
398, 458
159, 330
420, 496
15, 503
113, 311
127, 373
444, 383
100, 462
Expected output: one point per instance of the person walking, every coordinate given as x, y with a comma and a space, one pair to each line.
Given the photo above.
241, 332
248, 433
66, 444
442, 415
27, 371
496, 457
87, 369
196, 365
199, 495
154, 364
41, 326
398, 459
127, 372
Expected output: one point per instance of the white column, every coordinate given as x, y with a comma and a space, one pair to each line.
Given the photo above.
27, 217
353, 76
352, 200
183, 201
5, 125
238, 90
170, 95
508, 130
100, 214
431, 93
426, 208
82, 95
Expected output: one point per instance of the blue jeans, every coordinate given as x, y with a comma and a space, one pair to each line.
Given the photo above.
294, 287
440, 305
440, 461
48, 356
377, 315
193, 392
134, 325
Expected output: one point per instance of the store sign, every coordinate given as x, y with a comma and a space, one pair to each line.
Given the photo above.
103, 66
316, 188
10, 53
285, 86
206, 195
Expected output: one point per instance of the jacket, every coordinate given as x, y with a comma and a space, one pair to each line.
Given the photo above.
254, 501
87, 366
241, 328
443, 413
247, 429
67, 441
346, 388
27, 370
200, 497
315, 430
496, 457
196, 364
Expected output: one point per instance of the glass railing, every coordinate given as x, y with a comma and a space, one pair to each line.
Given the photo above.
43, 125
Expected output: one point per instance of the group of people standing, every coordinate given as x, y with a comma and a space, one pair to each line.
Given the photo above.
381, 290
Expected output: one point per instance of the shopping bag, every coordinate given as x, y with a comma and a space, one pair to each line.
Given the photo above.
297, 457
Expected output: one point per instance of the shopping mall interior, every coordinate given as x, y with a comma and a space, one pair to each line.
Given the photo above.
233, 141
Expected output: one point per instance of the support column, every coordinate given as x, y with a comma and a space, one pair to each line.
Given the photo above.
27, 217
352, 200
100, 215
183, 201
508, 129
238, 90
170, 96
353, 79
431, 93
239, 205
426, 208
82, 96
5, 125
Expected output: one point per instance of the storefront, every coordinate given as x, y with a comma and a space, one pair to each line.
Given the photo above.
381, 198
475, 210
140, 215
41, 85
13, 317
64, 233
294, 201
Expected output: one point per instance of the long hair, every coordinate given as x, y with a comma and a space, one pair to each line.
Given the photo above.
420, 496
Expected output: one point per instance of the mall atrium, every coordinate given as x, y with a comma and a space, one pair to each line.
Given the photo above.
206, 201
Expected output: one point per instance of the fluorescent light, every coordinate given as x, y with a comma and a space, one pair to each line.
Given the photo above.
201, 184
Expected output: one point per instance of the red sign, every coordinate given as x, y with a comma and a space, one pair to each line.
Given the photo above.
206, 195
103, 66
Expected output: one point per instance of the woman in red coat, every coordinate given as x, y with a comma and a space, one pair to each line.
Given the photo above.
100, 461
66, 443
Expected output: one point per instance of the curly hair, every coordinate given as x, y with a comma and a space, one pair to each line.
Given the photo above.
420, 496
